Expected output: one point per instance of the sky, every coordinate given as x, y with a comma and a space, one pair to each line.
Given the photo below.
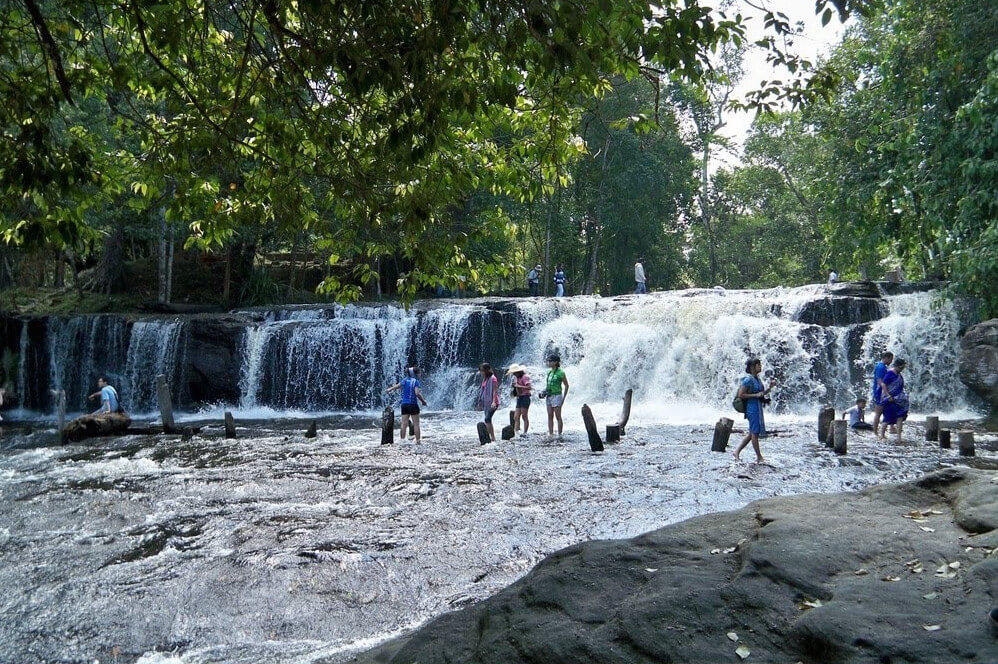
814, 42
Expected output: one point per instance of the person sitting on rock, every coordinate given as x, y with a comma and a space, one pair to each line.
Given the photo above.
109, 402
856, 415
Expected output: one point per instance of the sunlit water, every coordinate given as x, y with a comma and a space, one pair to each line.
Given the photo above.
276, 548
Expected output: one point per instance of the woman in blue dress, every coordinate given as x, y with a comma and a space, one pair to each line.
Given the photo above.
895, 399
752, 393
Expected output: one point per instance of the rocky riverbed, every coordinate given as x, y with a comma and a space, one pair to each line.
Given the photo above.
277, 548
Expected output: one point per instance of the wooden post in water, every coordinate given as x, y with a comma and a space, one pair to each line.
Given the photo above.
595, 442
165, 404
60, 404
944, 439
839, 434
825, 418
387, 425
722, 431
507, 431
966, 439
483, 434
230, 425
187, 434
612, 433
932, 428
625, 414
311, 431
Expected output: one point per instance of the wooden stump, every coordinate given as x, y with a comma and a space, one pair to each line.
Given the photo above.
387, 425
830, 435
595, 442
625, 414
966, 439
722, 431
230, 425
508, 433
944, 439
187, 434
483, 434
60, 401
165, 404
932, 428
103, 424
825, 418
612, 433
512, 417
311, 432
839, 430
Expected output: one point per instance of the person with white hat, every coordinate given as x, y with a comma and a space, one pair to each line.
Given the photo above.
534, 280
522, 390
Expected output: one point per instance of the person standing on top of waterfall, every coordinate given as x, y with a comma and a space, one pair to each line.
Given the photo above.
488, 396
559, 281
411, 393
640, 285
534, 280
109, 402
895, 399
553, 393
879, 371
753, 394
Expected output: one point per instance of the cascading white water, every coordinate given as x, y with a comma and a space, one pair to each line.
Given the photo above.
152, 350
80, 349
22, 366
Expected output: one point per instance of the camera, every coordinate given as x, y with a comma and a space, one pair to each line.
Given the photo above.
543, 394
766, 400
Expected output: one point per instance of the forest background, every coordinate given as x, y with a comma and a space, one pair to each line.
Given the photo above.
258, 151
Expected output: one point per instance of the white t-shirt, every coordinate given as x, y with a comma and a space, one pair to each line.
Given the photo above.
855, 416
639, 273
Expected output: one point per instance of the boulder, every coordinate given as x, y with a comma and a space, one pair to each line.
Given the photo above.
213, 356
848, 578
841, 311
979, 360
92, 426
855, 289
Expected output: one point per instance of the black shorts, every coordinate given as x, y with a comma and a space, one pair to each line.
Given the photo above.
410, 409
523, 401
489, 412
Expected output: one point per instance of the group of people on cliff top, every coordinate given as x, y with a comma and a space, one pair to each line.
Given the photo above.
534, 279
487, 397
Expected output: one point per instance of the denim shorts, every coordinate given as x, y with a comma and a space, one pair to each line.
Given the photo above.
489, 412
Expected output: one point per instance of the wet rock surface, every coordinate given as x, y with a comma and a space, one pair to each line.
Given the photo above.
902, 573
274, 548
979, 360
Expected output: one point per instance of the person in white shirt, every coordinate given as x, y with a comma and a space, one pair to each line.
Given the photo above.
640, 283
856, 415
833, 277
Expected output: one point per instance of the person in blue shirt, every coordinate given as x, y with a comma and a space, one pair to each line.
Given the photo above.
752, 393
411, 393
879, 372
559, 282
109, 402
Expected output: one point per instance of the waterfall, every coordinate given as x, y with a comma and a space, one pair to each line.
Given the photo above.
152, 350
80, 349
22, 366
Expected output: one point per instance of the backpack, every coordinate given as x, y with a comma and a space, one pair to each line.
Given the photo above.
738, 403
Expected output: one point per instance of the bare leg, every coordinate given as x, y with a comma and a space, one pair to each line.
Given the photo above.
550, 421
900, 426
415, 426
526, 420
755, 446
516, 420
492, 433
877, 410
561, 425
742, 445
404, 427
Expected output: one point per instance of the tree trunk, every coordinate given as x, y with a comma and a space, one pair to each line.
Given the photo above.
227, 281
161, 262
546, 277
60, 269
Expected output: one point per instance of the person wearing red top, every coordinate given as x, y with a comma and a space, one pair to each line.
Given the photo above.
522, 391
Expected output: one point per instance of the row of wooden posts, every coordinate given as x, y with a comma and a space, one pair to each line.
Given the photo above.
833, 433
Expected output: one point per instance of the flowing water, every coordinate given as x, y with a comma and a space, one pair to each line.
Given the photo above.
274, 548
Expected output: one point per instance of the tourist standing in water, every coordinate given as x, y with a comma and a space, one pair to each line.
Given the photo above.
640, 285
523, 390
752, 393
879, 372
411, 392
488, 396
559, 282
554, 394
109, 402
895, 399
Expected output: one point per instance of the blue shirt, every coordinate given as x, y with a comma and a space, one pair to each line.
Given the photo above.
409, 386
559, 277
879, 372
109, 396
752, 385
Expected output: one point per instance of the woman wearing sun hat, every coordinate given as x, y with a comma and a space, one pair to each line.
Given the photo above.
523, 390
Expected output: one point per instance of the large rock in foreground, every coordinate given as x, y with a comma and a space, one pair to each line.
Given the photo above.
979, 360
830, 579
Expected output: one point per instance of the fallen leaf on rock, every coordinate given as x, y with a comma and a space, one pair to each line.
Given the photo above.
714, 552
892, 578
742, 652
955, 564
730, 549
927, 529
932, 512
809, 604
932, 628
651, 569
861, 572
732, 636
969, 548
930, 596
